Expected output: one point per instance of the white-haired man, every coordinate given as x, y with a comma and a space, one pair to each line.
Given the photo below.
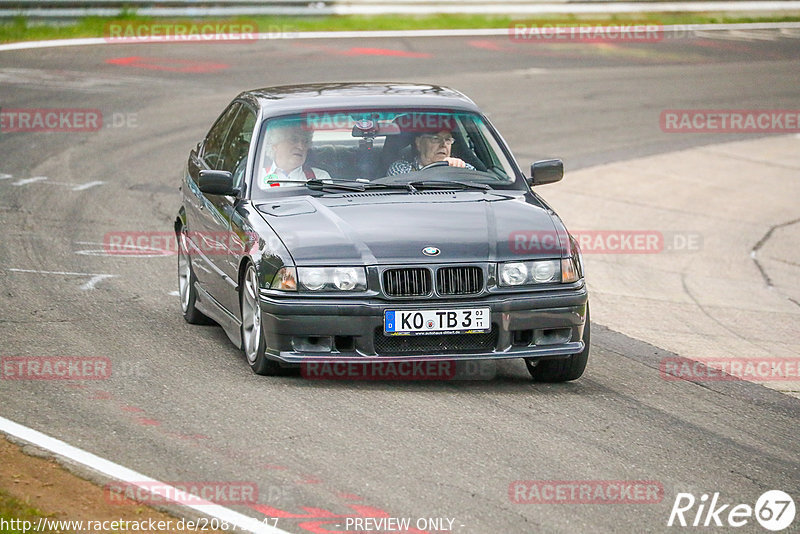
287, 146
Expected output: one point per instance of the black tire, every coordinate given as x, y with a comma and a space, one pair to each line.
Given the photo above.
186, 289
254, 342
564, 369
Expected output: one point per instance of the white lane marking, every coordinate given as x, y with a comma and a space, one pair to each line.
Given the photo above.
526, 72
4, 176
119, 249
740, 35
94, 279
72, 186
673, 28
788, 4
26, 181
568, 8
174, 294
84, 187
30, 45
129, 476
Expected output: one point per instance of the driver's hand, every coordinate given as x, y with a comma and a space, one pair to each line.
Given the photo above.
455, 162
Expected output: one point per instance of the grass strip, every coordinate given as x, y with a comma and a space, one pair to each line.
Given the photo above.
23, 29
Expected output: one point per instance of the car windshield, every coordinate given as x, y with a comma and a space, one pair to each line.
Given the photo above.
379, 149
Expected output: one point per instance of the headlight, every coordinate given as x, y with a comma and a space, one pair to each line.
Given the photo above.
543, 271
347, 278
530, 272
313, 279
513, 274
332, 278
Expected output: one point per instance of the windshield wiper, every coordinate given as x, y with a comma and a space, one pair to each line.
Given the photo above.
402, 187
320, 185
351, 186
447, 184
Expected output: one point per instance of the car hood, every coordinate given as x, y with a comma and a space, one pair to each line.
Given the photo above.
389, 228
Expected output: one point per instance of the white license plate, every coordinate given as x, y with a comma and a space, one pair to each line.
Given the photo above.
417, 322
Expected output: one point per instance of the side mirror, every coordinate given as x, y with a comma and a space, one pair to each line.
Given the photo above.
217, 183
546, 172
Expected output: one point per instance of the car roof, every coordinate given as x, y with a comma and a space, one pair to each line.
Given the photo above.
341, 96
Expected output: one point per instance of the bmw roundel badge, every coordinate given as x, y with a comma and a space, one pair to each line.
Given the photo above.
431, 251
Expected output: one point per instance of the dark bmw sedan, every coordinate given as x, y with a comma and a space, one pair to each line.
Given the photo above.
376, 222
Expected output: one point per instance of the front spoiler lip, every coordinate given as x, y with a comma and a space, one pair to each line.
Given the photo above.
554, 351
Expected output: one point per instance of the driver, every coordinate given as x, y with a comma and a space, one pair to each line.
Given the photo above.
287, 146
428, 148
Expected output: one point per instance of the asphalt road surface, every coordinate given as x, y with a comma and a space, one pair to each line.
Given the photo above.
182, 405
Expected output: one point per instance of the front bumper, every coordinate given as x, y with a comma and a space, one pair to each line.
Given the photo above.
307, 329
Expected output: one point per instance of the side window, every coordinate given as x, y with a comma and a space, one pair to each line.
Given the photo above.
213, 145
237, 144
493, 158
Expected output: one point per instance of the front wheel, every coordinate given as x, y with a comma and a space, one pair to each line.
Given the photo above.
253, 342
565, 369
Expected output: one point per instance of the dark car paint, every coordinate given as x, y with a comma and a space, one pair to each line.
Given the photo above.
369, 230
392, 228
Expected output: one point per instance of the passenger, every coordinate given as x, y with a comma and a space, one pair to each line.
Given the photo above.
287, 145
428, 148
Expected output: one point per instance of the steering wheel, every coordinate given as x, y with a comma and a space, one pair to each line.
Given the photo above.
435, 164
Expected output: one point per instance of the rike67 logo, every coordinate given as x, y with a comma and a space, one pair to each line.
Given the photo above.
774, 510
